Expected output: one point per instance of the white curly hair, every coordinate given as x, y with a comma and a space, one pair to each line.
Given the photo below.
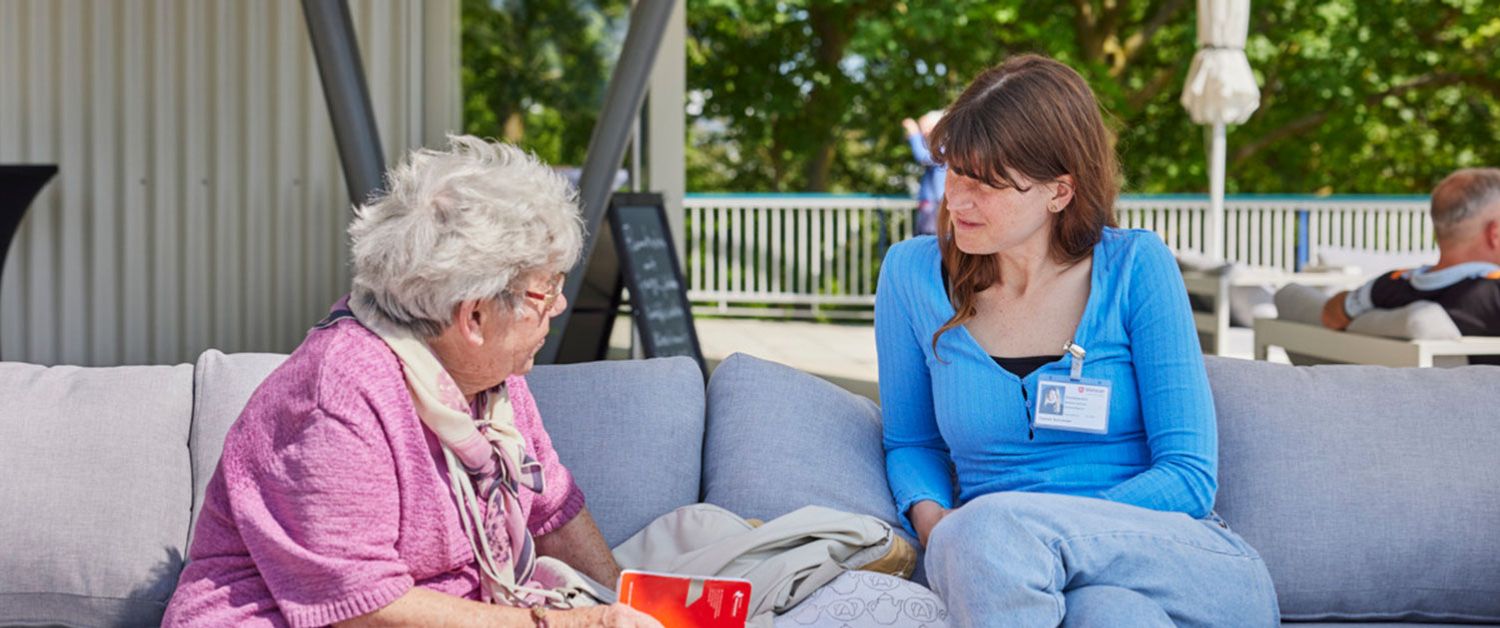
461, 224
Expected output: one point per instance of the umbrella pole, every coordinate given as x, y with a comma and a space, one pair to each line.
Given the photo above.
1216, 154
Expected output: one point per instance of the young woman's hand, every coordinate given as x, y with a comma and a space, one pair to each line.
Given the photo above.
925, 516
612, 616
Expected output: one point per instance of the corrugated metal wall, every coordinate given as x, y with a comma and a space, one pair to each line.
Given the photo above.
200, 201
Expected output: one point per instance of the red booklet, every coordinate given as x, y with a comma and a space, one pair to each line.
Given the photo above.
687, 601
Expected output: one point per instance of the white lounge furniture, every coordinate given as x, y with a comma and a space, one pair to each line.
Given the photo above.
1347, 347
1215, 286
1212, 325
1420, 334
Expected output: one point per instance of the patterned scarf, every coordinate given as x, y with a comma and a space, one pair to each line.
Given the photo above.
487, 462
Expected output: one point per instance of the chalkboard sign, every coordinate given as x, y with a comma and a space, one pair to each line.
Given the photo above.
658, 294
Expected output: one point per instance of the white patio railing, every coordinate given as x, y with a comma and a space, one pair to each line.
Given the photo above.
1283, 231
819, 255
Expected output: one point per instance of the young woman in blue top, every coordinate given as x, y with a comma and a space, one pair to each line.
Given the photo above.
1093, 505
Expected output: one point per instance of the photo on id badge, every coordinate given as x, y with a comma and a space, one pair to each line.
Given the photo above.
1052, 398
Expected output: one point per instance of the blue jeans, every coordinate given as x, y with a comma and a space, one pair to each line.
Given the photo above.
1034, 559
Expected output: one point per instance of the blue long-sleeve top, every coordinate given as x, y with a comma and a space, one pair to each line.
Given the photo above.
958, 415
933, 175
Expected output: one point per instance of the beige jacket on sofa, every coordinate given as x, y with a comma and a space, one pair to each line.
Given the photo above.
785, 559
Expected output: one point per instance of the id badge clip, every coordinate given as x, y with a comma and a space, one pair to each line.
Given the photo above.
1073, 403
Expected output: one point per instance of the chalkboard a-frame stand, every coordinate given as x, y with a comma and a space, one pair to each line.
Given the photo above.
648, 262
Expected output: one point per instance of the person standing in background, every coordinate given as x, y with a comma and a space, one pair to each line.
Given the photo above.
930, 192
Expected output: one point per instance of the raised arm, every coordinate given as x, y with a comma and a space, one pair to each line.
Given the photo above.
919, 149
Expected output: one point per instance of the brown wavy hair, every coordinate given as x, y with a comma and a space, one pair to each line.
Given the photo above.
1037, 117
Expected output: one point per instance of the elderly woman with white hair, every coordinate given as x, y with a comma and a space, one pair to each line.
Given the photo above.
394, 470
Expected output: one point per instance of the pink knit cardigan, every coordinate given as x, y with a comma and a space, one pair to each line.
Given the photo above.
331, 499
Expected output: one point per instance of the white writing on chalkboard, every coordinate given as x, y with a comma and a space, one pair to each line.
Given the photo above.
656, 289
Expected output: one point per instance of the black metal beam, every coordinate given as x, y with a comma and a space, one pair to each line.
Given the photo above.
622, 105
19, 185
337, 51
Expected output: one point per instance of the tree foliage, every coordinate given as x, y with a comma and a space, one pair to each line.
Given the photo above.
534, 71
1357, 96
807, 95
1370, 96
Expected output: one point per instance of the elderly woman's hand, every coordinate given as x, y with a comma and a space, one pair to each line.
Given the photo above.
612, 616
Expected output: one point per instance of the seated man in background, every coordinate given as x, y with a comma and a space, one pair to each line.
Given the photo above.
1466, 279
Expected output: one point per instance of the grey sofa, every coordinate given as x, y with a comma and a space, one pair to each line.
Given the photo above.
1373, 494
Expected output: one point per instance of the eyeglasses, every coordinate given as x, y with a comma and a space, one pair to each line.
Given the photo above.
548, 298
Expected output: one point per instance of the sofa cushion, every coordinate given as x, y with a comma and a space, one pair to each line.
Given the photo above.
222, 385
866, 598
1247, 303
630, 431
780, 439
1420, 320
1372, 493
94, 508
1301, 304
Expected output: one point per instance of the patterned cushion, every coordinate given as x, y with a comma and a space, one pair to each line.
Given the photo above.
864, 598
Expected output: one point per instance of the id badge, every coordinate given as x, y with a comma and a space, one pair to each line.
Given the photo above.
1079, 405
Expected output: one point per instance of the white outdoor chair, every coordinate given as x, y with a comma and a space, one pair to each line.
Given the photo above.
1215, 287
1212, 322
1345, 347
1418, 335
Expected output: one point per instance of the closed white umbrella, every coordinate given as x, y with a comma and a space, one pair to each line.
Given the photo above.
1220, 90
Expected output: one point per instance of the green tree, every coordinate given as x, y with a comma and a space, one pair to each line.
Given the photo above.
1370, 96
534, 71
1356, 96
809, 95
771, 74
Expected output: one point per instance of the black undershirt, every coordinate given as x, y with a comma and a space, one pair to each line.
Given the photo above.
1021, 367
1024, 366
